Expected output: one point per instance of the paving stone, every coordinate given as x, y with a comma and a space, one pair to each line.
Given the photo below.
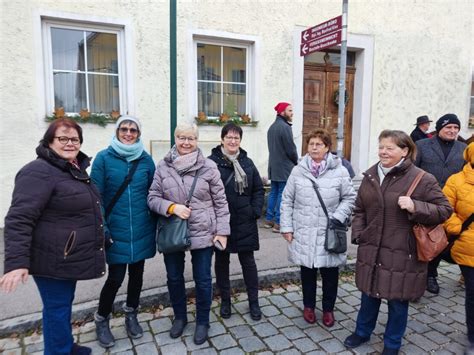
458, 317
417, 326
207, 351
145, 316
223, 342
232, 351
264, 293
421, 341
189, 329
10, 343
292, 332
410, 349
277, 342
305, 345
278, 291
174, 349
289, 352
242, 307
317, 334
292, 312
233, 321
147, 348
119, 332
263, 302
279, 301
160, 325
121, 345
33, 339
265, 329
216, 328
345, 308
128, 352
292, 288
301, 323
251, 344
191, 346
332, 345
146, 338
241, 331
437, 337
352, 300
341, 334
96, 348
165, 339
166, 312
441, 327
34, 347
281, 321
270, 311
293, 296
14, 352
248, 320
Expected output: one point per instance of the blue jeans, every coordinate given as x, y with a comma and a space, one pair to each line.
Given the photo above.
396, 324
274, 201
57, 296
201, 261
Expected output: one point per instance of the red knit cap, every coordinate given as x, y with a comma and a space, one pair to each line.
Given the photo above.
281, 106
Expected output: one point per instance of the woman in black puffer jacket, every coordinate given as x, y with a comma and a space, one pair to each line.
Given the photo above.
54, 231
244, 192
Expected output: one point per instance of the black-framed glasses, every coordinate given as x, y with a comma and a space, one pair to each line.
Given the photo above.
125, 130
65, 140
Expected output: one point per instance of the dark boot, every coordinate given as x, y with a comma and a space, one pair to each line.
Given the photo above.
432, 285
255, 312
200, 334
80, 350
134, 330
177, 328
388, 351
353, 341
102, 329
226, 309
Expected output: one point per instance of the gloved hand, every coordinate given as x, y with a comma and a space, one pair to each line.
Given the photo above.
335, 223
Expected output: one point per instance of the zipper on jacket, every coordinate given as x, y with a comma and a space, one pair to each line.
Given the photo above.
69, 244
130, 214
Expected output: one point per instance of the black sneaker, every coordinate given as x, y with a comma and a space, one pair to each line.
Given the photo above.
255, 312
226, 309
177, 328
353, 341
200, 334
388, 351
432, 285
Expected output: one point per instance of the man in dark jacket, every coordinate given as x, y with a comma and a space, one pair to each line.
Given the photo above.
282, 159
441, 156
421, 130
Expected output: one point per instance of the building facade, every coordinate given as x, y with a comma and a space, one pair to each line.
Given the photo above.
104, 58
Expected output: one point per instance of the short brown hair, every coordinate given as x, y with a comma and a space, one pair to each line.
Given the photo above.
402, 140
50, 133
321, 134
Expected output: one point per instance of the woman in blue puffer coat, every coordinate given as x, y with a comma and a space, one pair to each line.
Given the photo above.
130, 223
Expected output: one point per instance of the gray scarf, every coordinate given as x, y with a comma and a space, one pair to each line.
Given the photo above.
240, 177
183, 163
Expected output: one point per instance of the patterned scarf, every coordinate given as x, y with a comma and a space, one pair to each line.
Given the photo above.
240, 177
315, 167
183, 163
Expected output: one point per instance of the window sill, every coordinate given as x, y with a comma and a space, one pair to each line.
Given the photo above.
217, 122
94, 118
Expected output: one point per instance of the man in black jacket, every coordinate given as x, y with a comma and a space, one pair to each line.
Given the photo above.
421, 130
282, 159
441, 156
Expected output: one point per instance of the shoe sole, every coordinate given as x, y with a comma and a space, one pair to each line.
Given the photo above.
256, 317
355, 346
226, 316
106, 346
136, 336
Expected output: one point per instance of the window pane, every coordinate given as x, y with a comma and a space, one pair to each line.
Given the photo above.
70, 91
209, 99
68, 49
208, 62
102, 52
234, 64
103, 93
234, 99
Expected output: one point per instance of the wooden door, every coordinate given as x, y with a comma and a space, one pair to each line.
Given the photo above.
321, 82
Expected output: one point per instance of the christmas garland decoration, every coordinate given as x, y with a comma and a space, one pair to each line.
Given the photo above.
336, 97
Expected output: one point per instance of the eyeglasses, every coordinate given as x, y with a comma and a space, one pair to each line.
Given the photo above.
317, 145
126, 130
184, 139
65, 140
229, 138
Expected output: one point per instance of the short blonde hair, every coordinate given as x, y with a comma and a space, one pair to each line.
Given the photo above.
186, 128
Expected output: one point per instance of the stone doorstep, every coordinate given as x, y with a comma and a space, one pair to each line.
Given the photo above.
153, 296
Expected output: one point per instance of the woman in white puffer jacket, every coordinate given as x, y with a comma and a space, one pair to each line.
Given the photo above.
303, 221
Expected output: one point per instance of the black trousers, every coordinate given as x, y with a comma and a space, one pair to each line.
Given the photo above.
433, 264
114, 281
468, 273
330, 277
249, 270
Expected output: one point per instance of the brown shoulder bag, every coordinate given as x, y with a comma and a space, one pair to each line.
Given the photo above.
430, 240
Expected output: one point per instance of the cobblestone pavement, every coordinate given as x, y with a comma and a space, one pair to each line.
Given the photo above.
436, 325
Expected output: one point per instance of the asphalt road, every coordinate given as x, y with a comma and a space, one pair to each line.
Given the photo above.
26, 300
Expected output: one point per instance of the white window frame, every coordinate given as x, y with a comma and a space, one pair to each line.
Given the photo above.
226, 39
47, 24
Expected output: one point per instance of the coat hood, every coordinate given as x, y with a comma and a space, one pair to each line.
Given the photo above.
469, 154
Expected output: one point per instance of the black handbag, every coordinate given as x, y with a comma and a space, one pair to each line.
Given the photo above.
336, 236
172, 234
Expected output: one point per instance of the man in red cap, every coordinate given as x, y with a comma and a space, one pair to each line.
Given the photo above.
282, 158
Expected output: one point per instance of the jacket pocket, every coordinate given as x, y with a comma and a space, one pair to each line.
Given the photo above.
70, 244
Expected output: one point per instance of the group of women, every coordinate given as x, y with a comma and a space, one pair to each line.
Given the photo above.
63, 225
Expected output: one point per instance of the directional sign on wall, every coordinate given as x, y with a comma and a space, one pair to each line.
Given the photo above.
324, 35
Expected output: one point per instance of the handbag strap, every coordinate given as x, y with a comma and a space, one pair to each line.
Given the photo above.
415, 183
122, 188
229, 179
320, 199
467, 223
193, 186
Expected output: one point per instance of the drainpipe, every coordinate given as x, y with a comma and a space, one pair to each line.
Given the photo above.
173, 72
